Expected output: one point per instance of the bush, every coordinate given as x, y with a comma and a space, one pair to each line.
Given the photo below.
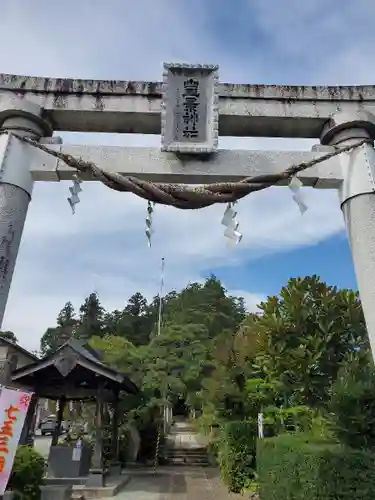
27, 474
236, 454
294, 468
352, 405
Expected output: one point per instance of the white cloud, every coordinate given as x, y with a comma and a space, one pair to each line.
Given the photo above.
103, 246
252, 300
325, 43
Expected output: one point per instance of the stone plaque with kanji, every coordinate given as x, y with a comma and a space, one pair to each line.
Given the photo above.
190, 109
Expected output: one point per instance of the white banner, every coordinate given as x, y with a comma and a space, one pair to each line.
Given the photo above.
13, 410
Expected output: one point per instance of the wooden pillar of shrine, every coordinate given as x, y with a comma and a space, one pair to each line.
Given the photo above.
115, 465
59, 419
96, 474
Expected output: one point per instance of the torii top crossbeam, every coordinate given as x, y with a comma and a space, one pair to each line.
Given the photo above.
134, 106
339, 116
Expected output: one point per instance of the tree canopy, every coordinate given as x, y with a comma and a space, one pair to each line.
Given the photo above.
7, 335
222, 360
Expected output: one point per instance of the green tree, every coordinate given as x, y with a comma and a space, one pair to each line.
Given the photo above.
224, 394
206, 304
178, 359
91, 320
352, 402
295, 346
55, 337
110, 322
136, 321
120, 354
7, 335
136, 305
66, 317
211, 352
190, 351
306, 333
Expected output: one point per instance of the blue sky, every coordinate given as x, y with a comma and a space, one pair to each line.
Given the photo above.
103, 246
329, 259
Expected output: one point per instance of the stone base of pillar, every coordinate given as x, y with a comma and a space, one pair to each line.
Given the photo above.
114, 469
96, 478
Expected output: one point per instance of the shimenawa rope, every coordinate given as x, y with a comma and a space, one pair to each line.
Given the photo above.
179, 195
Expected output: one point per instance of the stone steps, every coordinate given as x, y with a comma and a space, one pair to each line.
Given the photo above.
182, 448
180, 454
201, 450
182, 429
176, 463
184, 456
182, 460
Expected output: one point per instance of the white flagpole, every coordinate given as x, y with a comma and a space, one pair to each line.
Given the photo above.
161, 295
159, 324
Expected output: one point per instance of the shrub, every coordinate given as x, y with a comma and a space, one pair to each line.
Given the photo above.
236, 453
213, 447
352, 405
27, 474
292, 467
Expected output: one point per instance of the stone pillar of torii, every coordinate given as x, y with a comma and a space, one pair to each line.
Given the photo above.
190, 108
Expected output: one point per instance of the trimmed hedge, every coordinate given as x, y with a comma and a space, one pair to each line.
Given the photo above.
236, 454
292, 467
352, 405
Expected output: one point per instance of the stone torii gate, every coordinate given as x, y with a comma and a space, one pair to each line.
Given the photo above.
189, 109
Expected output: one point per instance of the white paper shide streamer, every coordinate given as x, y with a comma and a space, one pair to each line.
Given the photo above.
149, 230
74, 192
295, 186
229, 221
260, 426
